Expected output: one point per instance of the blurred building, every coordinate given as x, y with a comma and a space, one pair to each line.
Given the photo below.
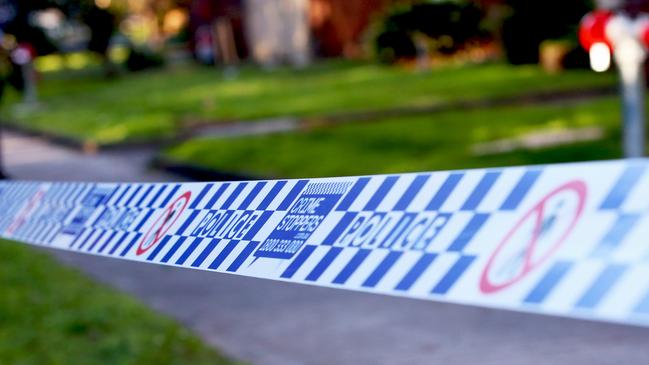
278, 31
284, 31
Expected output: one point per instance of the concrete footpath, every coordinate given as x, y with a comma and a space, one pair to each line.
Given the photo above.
272, 323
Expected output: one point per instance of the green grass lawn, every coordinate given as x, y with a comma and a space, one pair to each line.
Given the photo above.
50, 314
433, 142
154, 104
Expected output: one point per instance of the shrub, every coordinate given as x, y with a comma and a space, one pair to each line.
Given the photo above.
532, 22
141, 59
447, 25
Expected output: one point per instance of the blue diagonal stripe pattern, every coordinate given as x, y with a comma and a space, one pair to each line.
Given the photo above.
623, 185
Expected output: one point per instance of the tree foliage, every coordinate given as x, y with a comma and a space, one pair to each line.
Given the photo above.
532, 22
448, 25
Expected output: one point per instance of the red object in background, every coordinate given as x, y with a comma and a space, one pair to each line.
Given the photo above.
644, 33
338, 25
23, 54
592, 29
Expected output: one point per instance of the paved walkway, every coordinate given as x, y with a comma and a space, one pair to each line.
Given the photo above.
272, 323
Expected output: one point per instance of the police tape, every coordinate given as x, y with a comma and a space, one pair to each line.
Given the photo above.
569, 240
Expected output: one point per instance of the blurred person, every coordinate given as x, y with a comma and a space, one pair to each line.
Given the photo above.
16, 67
5, 72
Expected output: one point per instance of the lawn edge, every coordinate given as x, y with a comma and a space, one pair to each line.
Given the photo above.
306, 122
88, 146
196, 172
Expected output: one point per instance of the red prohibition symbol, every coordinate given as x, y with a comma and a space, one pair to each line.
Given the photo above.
25, 212
163, 223
515, 264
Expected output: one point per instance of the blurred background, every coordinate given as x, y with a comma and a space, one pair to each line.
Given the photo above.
141, 90
393, 86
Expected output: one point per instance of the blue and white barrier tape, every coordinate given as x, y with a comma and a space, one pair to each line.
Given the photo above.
569, 240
